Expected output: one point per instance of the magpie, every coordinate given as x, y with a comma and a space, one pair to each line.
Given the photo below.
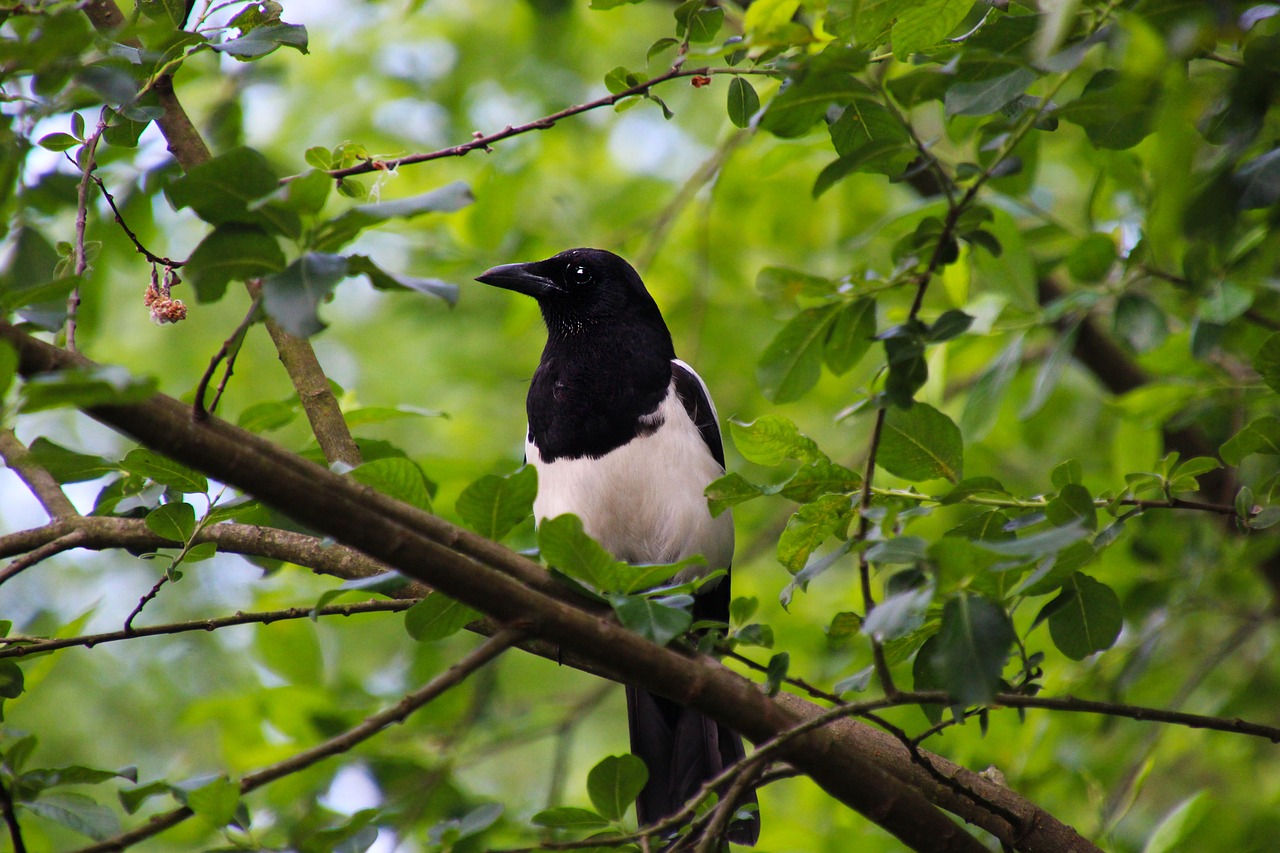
624, 435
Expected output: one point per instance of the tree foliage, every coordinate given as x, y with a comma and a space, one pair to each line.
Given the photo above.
986, 290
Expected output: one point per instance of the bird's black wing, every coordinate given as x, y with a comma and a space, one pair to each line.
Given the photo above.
697, 402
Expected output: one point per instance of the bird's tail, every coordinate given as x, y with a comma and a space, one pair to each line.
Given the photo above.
682, 749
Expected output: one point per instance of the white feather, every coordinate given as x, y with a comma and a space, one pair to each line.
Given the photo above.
643, 501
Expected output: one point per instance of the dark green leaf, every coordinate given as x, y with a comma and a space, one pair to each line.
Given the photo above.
1140, 322
729, 490
743, 102
776, 673
133, 798
984, 97
1073, 505
1260, 436
493, 505
261, 41
231, 252
76, 812
851, 335
222, 189
293, 296
176, 521
1088, 621
1258, 179
83, 387
1092, 258
383, 280
614, 783
973, 644
922, 23
1116, 111
216, 801
11, 680
1267, 362
801, 104
340, 230
165, 471
791, 364
437, 617
401, 479
650, 618
921, 443
569, 817
68, 466
565, 546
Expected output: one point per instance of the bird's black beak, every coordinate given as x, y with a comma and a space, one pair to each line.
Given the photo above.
522, 278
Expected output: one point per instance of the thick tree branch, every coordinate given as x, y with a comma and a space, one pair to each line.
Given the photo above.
513, 590
46, 489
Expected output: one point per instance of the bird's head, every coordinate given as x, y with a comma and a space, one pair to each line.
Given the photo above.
580, 289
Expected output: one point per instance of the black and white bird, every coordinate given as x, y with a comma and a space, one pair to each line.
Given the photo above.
624, 435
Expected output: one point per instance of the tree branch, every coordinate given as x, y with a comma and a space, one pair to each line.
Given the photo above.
41, 483
22, 646
513, 590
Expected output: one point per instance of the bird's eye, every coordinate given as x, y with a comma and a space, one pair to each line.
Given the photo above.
578, 275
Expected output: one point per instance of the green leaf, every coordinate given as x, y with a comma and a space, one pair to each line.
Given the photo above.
268, 415
68, 466
1088, 618
781, 287
866, 122
1050, 372
1115, 110
851, 335
771, 439
741, 609
261, 41
809, 527
342, 229
1073, 505
800, 105
8, 368
222, 189
899, 614
650, 618
811, 482
76, 812
493, 505
399, 478
1140, 322
743, 102
925, 22
231, 252
11, 681
176, 521
437, 617
569, 817
291, 650
1170, 835
973, 644
973, 486
614, 783
293, 295
1224, 302
921, 443
58, 142
729, 490
565, 546
1261, 436
383, 280
133, 798
776, 673
987, 96
873, 19
983, 405
163, 470
1092, 258
215, 802
1267, 362
84, 387
1258, 180
792, 362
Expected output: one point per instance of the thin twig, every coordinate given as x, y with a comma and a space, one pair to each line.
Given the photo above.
159, 260
229, 349
14, 647
87, 165
11, 820
46, 489
143, 602
483, 141
336, 745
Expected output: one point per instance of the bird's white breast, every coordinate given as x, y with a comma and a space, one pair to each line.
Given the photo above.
643, 501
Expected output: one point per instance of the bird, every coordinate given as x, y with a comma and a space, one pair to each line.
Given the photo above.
624, 435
